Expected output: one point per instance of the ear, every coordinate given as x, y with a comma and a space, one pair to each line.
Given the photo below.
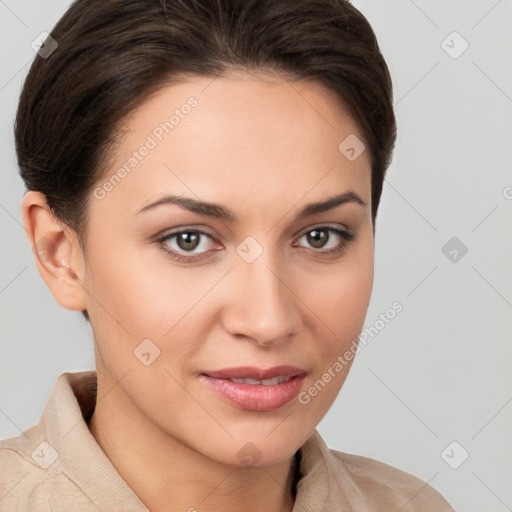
58, 255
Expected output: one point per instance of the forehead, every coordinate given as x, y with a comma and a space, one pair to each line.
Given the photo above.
237, 139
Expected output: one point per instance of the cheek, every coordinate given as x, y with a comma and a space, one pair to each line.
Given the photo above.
139, 297
342, 296
340, 301
346, 301
129, 289
125, 301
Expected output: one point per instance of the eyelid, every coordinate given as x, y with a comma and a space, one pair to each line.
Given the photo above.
167, 234
321, 225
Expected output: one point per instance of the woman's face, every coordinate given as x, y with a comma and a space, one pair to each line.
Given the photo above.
175, 294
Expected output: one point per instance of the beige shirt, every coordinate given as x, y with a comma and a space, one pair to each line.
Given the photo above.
57, 466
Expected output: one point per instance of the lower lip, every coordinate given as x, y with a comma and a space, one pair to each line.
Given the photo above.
256, 397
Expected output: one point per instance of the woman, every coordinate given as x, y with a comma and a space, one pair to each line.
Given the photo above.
258, 133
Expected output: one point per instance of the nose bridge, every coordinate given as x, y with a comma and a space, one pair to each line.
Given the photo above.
264, 308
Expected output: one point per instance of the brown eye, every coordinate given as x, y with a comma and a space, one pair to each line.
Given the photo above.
188, 240
317, 238
321, 238
187, 243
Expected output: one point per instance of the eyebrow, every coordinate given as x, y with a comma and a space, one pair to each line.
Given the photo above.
221, 212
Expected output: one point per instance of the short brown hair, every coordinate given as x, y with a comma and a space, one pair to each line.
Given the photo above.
113, 53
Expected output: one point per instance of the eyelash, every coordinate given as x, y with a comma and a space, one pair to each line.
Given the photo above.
346, 237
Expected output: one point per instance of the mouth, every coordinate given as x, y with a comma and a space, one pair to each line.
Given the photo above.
254, 375
265, 382
256, 389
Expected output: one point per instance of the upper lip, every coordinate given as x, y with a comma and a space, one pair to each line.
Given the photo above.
252, 372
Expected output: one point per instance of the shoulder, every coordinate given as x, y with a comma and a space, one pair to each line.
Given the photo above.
27, 478
382, 484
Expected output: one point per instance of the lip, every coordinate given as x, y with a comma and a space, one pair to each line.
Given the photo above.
252, 372
255, 397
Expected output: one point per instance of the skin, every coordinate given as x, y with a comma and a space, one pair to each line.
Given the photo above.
264, 148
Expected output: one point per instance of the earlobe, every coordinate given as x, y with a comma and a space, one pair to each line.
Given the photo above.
56, 250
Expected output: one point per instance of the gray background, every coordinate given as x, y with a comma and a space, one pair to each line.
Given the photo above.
440, 370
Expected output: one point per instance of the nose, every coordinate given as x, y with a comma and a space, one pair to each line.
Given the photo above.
263, 306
